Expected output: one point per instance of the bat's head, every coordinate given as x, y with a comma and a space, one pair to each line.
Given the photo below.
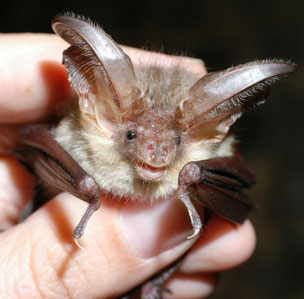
150, 140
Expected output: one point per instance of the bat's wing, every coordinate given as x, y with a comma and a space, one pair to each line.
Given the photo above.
218, 184
54, 166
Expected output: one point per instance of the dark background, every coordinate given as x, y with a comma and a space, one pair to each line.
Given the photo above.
225, 33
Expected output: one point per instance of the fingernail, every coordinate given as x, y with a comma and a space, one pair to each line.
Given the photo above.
152, 229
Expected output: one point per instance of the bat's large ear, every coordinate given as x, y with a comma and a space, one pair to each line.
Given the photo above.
218, 99
100, 72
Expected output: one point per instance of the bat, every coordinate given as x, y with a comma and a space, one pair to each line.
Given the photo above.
147, 132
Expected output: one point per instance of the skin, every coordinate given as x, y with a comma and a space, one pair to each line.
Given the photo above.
38, 257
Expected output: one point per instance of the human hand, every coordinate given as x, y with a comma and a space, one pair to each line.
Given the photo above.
124, 243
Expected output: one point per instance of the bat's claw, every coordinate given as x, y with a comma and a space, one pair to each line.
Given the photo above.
196, 232
154, 290
76, 241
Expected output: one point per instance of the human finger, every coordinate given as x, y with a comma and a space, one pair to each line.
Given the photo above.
33, 79
222, 246
191, 286
46, 263
16, 189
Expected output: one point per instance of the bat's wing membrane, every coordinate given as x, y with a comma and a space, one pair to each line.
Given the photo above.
218, 184
53, 165
222, 187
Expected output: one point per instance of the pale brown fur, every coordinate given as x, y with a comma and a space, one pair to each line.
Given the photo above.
103, 156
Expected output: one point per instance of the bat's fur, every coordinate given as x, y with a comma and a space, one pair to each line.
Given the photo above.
103, 156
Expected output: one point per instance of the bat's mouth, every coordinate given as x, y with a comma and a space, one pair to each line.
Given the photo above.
150, 172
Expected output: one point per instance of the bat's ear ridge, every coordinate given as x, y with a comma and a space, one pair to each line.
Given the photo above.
218, 99
99, 70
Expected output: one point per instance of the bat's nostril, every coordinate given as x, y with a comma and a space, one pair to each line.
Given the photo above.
165, 150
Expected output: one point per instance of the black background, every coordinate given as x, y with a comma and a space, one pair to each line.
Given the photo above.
225, 33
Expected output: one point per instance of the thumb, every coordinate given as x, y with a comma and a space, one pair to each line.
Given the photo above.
124, 245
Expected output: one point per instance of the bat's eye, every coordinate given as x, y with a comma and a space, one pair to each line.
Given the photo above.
131, 135
177, 140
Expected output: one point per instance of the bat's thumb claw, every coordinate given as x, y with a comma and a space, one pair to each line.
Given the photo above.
196, 232
76, 241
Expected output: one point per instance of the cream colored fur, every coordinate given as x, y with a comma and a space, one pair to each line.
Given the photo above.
100, 157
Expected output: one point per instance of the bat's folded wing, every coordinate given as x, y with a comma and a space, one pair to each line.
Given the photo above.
55, 167
52, 163
218, 184
222, 185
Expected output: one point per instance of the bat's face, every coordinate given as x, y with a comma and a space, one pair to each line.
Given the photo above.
152, 144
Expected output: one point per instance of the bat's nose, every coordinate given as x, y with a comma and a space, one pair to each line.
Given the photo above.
158, 154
